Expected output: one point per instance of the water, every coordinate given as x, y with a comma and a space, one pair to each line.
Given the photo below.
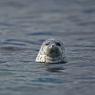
25, 24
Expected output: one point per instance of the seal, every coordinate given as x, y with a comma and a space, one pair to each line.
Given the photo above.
51, 51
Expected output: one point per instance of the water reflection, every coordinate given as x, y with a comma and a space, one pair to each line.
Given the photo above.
55, 67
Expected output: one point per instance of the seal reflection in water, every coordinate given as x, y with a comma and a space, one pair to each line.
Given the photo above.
51, 51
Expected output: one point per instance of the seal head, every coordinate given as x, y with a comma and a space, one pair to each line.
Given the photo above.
52, 51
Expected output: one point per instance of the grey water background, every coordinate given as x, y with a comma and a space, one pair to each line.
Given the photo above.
25, 24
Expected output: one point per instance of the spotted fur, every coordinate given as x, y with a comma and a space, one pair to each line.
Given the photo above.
51, 51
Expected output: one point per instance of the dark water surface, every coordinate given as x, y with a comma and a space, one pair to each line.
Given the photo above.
25, 24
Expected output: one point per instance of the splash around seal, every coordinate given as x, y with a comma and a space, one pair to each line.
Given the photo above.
51, 51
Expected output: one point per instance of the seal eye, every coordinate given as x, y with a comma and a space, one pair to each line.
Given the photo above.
58, 44
47, 43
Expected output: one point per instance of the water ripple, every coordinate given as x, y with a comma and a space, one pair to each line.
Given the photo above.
48, 80
44, 33
18, 42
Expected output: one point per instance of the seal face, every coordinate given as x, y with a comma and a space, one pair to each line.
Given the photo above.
51, 51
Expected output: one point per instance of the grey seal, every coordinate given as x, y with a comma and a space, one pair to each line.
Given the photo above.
51, 51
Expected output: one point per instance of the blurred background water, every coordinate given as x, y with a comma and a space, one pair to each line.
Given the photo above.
25, 24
